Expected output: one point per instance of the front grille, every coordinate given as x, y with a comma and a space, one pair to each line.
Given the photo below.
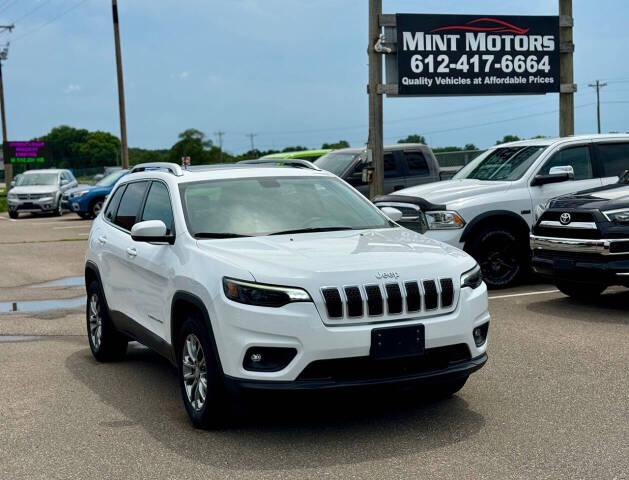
554, 215
567, 232
29, 196
366, 368
391, 298
432, 297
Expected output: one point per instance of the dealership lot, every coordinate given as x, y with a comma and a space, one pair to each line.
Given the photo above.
551, 403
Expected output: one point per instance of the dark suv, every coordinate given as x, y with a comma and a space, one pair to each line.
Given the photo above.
582, 241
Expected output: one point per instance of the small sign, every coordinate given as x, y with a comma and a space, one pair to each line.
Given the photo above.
26, 152
185, 161
477, 54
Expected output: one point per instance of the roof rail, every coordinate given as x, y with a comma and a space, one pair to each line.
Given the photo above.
283, 162
170, 167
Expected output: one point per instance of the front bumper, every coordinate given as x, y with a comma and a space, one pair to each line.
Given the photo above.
299, 326
581, 260
43, 204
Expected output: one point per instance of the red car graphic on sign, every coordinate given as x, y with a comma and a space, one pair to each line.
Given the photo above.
486, 24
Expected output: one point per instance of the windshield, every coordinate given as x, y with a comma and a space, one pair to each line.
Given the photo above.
505, 163
336, 163
263, 206
110, 179
37, 179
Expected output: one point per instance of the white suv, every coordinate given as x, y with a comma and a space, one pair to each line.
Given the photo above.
490, 205
266, 277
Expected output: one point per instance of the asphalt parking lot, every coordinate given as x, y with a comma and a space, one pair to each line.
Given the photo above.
552, 401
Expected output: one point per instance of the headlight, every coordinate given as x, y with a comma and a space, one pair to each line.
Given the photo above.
12, 196
472, 278
78, 194
618, 216
444, 220
262, 295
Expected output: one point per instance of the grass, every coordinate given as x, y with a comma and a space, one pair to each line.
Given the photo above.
3, 199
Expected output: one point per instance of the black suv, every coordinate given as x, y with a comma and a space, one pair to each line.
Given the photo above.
581, 241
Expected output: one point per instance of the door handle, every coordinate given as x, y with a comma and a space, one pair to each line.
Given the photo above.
132, 252
102, 240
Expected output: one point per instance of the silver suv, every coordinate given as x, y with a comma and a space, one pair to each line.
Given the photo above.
40, 191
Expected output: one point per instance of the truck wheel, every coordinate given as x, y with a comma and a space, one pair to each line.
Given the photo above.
500, 254
581, 291
14, 214
105, 342
96, 207
202, 388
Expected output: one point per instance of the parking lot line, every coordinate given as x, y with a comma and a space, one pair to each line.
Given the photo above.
523, 294
71, 226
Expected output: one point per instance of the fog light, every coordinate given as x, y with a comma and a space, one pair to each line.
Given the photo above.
268, 359
480, 334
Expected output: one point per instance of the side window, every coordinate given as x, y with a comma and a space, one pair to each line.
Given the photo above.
615, 158
112, 206
391, 169
158, 207
130, 205
417, 165
577, 157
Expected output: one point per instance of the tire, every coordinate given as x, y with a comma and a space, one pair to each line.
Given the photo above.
199, 374
446, 389
105, 342
502, 256
581, 291
14, 214
58, 211
95, 207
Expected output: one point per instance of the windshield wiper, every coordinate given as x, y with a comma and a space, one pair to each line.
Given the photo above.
311, 230
218, 235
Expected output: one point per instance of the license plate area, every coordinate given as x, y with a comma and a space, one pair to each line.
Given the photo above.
395, 342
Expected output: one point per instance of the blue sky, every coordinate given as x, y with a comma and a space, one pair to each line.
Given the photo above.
291, 71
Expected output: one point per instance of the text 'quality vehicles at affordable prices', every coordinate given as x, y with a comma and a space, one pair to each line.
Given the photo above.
581, 241
490, 205
277, 278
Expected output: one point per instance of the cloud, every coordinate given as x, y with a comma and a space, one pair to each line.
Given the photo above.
184, 74
73, 87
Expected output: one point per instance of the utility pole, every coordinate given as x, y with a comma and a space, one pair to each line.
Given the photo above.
374, 142
220, 134
251, 136
598, 85
8, 167
123, 120
566, 68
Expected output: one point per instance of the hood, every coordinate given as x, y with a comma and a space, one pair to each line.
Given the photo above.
82, 188
452, 190
34, 189
609, 197
341, 258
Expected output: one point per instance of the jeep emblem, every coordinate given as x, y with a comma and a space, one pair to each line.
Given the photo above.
393, 275
565, 218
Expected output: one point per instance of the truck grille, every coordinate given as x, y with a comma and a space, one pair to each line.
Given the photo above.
29, 196
582, 225
392, 298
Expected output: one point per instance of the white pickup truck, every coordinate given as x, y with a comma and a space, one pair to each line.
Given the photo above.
489, 206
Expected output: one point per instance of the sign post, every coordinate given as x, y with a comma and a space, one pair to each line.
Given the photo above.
374, 142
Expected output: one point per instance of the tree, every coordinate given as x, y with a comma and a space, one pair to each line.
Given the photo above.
413, 139
64, 142
507, 139
97, 150
297, 148
192, 143
336, 146
470, 146
538, 136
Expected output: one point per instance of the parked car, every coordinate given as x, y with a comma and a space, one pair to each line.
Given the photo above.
310, 155
488, 208
277, 278
405, 165
107, 171
40, 191
87, 201
581, 242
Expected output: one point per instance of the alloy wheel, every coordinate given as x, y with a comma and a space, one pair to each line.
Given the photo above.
500, 260
194, 372
95, 321
97, 208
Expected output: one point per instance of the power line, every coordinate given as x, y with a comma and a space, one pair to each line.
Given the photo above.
52, 20
251, 136
8, 5
31, 11
598, 85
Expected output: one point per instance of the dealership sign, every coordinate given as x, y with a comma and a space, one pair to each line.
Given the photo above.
476, 54
26, 152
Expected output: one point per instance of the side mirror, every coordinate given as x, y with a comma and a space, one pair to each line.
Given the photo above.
555, 175
64, 182
151, 231
12, 183
393, 213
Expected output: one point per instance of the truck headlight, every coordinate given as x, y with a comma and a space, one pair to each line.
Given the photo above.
262, 295
444, 220
618, 216
472, 278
